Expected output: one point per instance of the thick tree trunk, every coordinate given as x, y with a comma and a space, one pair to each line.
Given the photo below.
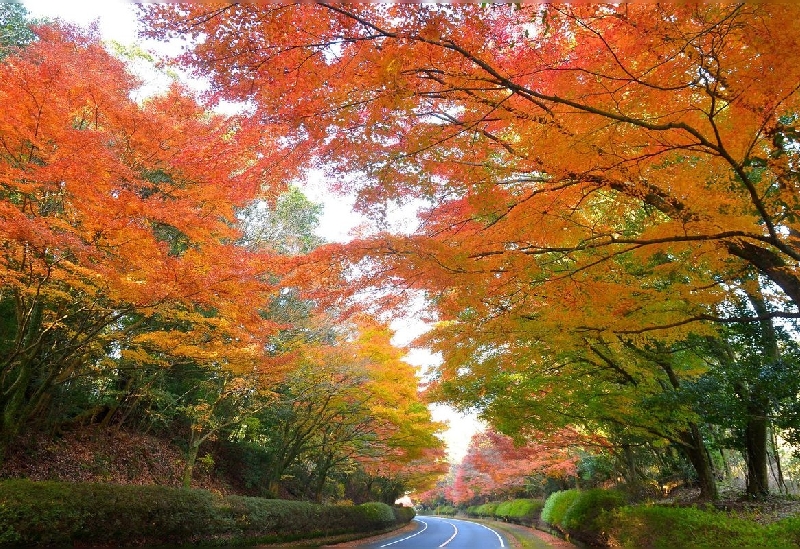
695, 450
756, 449
757, 427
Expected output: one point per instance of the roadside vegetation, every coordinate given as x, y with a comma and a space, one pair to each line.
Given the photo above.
89, 514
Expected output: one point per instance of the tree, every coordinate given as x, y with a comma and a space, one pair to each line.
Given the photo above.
114, 216
752, 378
509, 118
497, 467
594, 176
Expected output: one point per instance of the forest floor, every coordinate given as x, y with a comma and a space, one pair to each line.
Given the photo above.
104, 455
771, 509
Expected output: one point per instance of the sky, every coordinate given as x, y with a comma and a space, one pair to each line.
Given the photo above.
116, 21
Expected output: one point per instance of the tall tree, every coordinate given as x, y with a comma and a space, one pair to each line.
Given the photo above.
113, 214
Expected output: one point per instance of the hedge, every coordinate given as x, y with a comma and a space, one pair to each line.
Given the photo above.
555, 507
486, 510
520, 511
58, 513
446, 510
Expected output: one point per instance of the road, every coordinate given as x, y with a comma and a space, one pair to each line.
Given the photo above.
436, 532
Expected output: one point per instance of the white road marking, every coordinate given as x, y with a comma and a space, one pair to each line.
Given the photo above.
409, 537
499, 537
451, 537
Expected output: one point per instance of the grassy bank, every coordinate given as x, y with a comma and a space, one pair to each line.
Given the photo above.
601, 518
57, 513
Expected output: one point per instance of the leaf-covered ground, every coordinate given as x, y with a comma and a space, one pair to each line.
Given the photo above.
102, 455
772, 509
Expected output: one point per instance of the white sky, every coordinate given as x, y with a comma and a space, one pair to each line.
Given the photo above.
116, 21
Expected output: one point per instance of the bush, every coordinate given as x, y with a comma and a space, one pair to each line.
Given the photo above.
656, 527
487, 510
446, 510
520, 511
556, 506
403, 515
583, 519
56, 513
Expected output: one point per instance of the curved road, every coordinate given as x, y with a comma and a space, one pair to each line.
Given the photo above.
436, 532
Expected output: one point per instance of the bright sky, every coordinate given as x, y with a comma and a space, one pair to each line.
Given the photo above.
116, 20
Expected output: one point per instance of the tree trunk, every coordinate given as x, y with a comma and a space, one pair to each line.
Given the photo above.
695, 449
756, 449
757, 427
191, 458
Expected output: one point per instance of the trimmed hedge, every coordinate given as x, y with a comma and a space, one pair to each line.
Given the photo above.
487, 510
446, 510
58, 513
555, 507
520, 511
584, 519
656, 527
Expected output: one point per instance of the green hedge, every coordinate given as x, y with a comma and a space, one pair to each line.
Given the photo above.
585, 518
520, 511
656, 527
555, 507
486, 510
56, 513
446, 510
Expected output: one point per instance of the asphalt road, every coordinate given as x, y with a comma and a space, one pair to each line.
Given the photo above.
443, 532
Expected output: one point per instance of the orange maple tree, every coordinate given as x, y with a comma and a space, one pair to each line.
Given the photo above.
546, 139
495, 466
593, 175
115, 215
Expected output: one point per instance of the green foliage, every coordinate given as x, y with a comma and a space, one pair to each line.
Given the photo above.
378, 514
583, 519
446, 510
14, 30
521, 511
403, 515
655, 527
63, 514
556, 506
487, 510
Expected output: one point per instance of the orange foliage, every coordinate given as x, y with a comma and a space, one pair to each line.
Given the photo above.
495, 466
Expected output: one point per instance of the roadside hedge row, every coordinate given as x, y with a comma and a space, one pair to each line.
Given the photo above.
57, 513
518, 511
602, 518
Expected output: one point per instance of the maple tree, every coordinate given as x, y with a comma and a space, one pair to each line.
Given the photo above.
114, 217
683, 114
495, 466
350, 403
599, 180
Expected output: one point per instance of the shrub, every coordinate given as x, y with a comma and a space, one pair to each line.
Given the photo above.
556, 507
583, 519
56, 513
520, 511
487, 510
403, 515
377, 515
446, 510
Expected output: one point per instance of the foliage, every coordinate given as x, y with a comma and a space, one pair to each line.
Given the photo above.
15, 29
556, 506
60, 513
446, 510
598, 184
487, 510
496, 465
657, 527
520, 511
585, 518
